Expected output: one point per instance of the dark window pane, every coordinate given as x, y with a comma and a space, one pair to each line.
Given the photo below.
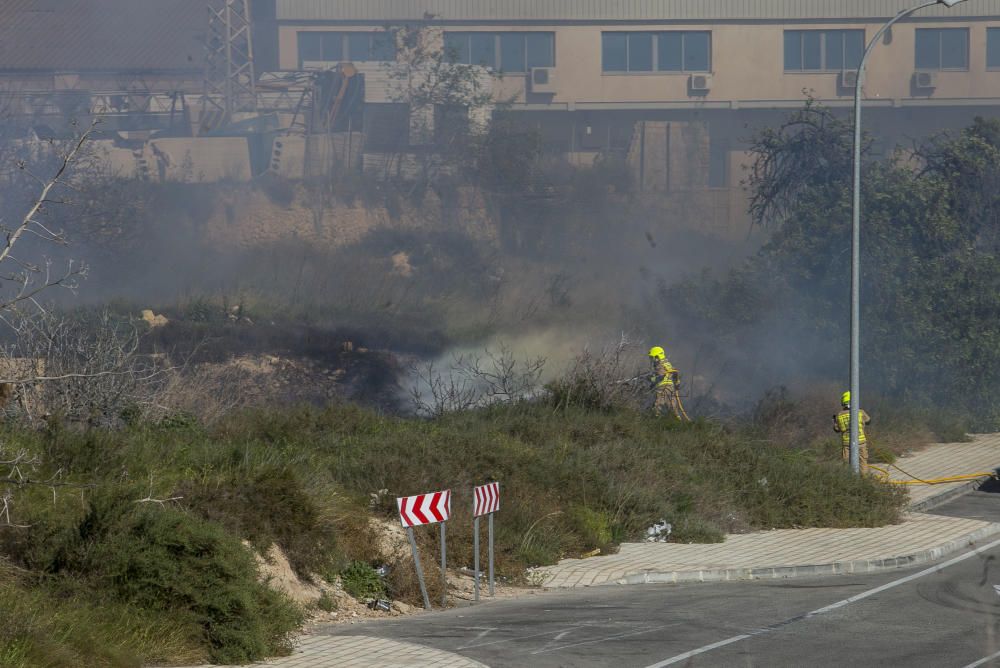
541, 48
512, 52
854, 48
670, 48
640, 52
793, 50
614, 48
834, 49
482, 49
993, 47
812, 55
456, 47
332, 45
451, 123
928, 49
955, 49
384, 45
697, 52
387, 127
309, 46
359, 46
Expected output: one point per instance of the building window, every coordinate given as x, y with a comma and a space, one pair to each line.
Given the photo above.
942, 49
387, 127
327, 47
993, 48
823, 50
656, 51
451, 123
511, 52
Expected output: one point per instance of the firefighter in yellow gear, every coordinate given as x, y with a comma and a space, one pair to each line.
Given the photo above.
665, 381
842, 425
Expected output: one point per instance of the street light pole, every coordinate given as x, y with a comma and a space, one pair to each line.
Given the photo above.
856, 232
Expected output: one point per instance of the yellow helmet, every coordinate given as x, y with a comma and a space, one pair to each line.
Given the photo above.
845, 399
657, 352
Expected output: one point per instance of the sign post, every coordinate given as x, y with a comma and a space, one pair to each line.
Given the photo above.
475, 550
444, 569
420, 571
491, 554
486, 501
420, 510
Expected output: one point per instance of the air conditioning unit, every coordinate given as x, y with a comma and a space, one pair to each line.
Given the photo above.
925, 80
543, 80
848, 79
700, 83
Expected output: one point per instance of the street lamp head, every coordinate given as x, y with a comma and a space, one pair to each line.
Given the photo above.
949, 3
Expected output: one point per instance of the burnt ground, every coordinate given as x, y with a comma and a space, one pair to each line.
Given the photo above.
285, 363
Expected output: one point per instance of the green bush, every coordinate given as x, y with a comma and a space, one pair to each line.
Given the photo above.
61, 623
168, 564
326, 603
361, 581
269, 503
594, 527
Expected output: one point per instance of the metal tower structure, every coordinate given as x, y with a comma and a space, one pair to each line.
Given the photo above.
230, 81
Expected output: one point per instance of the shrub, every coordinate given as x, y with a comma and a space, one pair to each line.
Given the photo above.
594, 527
361, 581
161, 559
268, 504
326, 603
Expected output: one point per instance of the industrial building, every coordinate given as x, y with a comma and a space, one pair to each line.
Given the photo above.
674, 86
680, 81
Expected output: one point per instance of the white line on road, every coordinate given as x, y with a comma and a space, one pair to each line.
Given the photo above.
833, 606
984, 660
519, 638
616, 636
700, 650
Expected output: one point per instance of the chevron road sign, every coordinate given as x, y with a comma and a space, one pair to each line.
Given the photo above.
487, 499
424, 508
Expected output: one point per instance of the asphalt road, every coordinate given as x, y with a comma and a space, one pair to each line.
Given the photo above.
914, 618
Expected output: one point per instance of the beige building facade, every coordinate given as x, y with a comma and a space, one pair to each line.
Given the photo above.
762, 58
676, 86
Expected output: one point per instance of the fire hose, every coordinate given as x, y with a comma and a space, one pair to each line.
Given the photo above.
884, 474
680, 405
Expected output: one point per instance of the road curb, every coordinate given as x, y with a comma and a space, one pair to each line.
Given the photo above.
946, 496
812, 570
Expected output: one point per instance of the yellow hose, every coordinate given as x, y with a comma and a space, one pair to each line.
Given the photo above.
933, 481
681, 406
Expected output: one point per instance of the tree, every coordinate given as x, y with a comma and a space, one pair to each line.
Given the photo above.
23, 277
930, 268
450, 103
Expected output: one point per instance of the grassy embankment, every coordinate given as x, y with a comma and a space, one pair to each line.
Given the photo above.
101, 579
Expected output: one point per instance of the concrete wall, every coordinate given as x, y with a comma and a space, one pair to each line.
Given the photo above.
182, 159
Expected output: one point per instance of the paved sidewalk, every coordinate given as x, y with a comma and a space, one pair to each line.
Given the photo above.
366, 652
802, 552
942, 461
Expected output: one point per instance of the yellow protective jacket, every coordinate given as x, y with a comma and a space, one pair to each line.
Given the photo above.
842, 425
663, 373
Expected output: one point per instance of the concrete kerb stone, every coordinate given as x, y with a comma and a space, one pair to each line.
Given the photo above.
945, 496
812, 570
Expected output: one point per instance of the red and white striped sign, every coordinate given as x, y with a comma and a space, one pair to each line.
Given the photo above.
487, 499
424, 508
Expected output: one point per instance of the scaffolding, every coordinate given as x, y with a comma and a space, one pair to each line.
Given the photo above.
230, 85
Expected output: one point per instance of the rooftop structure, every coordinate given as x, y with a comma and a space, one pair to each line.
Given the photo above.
568, 11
